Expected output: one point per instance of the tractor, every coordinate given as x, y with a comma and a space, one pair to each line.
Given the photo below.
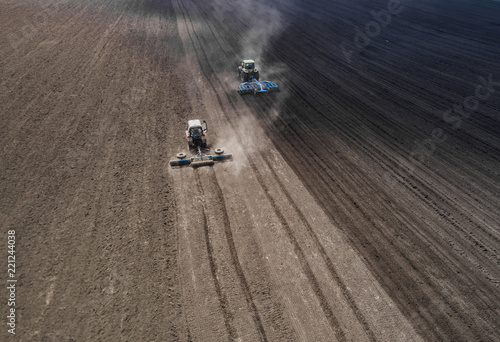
250, 77
247, 70
196, 135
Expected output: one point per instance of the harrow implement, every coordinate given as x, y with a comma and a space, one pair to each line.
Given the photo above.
256, 87
200, 159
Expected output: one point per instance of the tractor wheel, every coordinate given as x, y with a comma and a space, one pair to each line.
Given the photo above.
256, 75
244, 77
203, 145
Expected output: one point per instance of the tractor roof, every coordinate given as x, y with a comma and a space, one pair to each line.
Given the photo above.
194, 123
248, 61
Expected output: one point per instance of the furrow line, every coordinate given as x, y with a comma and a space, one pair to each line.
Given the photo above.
224, 306
236, 262
328, 262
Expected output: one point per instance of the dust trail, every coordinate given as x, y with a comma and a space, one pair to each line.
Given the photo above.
260, 22
257, 23
241, 138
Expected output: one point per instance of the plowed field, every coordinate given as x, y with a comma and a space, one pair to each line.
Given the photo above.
361, 204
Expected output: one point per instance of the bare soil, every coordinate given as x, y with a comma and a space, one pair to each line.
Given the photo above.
357, 206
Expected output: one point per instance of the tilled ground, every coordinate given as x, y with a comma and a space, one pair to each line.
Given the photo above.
357, 207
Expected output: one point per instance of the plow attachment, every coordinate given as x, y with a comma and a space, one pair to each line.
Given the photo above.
201, 160
256, 87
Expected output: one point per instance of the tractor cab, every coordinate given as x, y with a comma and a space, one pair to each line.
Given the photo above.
196, 133
247, 70
197, 127
248, 65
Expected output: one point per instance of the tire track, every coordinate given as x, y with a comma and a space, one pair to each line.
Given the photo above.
235, 260
224, 306
325, 306
327, 260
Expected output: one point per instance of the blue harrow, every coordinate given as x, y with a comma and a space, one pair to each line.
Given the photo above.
256, 87
200, 159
